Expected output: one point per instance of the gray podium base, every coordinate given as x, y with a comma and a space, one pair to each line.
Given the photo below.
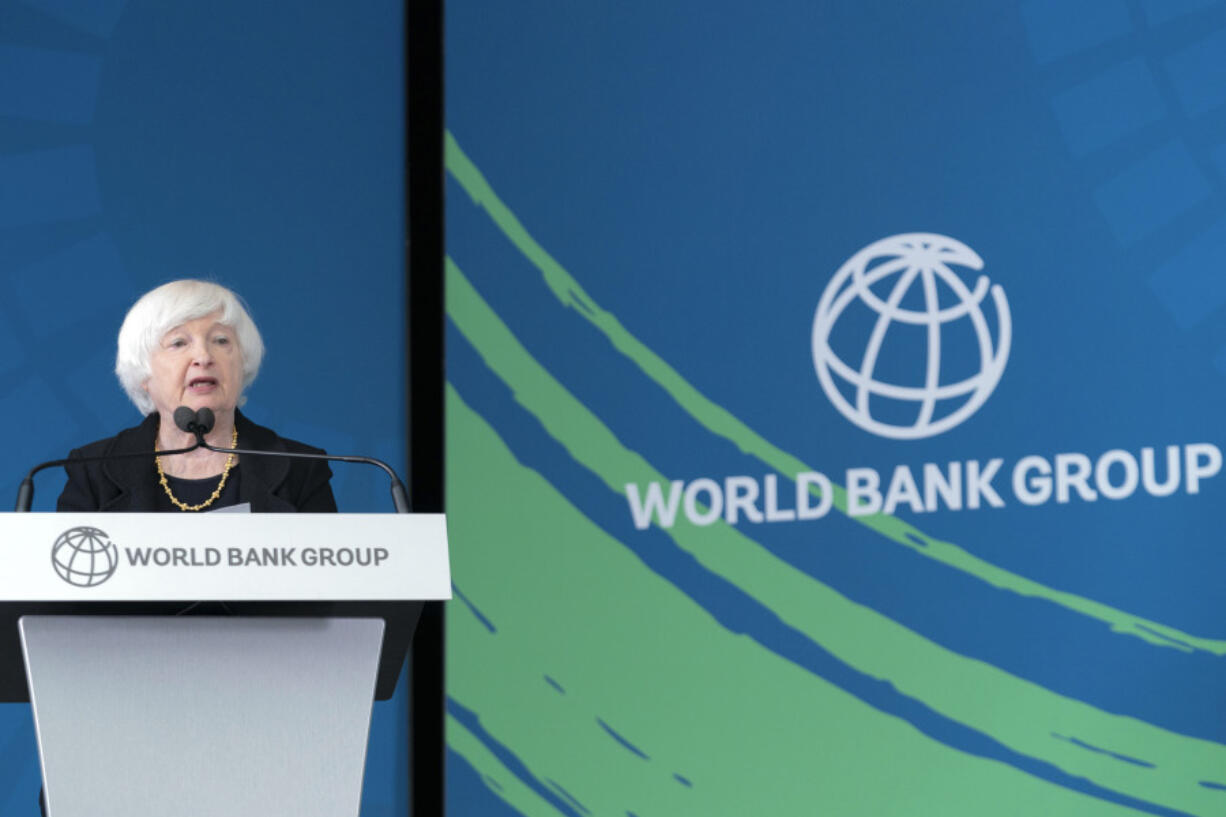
233, 717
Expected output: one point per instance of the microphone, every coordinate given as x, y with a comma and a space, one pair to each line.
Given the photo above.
195, 422
201, 422
205, 420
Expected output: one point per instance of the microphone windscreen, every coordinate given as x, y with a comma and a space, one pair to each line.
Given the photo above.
185, 418
205, 419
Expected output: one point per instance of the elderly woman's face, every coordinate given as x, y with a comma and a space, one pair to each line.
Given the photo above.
196, 364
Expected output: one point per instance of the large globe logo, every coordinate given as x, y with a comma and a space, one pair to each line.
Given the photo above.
84, 556
949, 353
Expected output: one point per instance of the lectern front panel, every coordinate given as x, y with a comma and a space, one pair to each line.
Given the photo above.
200, 716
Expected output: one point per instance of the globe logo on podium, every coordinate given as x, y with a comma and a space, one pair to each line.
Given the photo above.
84, 556
901, 319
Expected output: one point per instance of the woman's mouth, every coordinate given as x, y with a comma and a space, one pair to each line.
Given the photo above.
201, 385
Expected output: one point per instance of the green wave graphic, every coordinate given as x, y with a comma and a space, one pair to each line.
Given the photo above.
722, 423
1023, 716
754, 733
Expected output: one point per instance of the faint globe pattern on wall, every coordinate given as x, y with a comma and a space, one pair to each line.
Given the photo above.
906, 285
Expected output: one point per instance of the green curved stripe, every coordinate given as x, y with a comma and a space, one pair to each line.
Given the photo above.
754, 733
1018, 714
722, 423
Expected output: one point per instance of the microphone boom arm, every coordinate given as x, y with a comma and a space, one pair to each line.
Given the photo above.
399, 496
25, 492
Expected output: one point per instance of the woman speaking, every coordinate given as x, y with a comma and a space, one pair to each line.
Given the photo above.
192, 343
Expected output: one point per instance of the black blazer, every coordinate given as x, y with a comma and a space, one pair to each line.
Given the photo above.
270, 484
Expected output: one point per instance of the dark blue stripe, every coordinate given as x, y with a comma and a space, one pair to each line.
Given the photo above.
505, 756
617, 737
569, 797
470, 792
489, 625
1099, 750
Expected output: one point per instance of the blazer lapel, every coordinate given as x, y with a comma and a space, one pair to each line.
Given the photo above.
136, 478
261, 476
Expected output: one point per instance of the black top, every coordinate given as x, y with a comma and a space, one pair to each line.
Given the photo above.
270, 484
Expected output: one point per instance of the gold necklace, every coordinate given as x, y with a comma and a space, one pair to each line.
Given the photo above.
225, 472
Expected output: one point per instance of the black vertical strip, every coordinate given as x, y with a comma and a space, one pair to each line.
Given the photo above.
425, 360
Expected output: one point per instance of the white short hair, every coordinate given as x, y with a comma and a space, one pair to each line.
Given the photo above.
174, 304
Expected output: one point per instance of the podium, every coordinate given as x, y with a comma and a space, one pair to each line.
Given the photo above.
212, 664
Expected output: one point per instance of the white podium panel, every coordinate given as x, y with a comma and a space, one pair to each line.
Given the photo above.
201, 717
236, 557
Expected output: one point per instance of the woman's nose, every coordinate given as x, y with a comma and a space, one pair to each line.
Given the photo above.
201, 354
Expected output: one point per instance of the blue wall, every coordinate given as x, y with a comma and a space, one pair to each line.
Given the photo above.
258, 145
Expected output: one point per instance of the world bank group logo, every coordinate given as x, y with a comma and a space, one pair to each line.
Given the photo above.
902, 346
84, 556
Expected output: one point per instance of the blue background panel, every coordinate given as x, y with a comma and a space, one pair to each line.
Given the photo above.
257, 146
701, 174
